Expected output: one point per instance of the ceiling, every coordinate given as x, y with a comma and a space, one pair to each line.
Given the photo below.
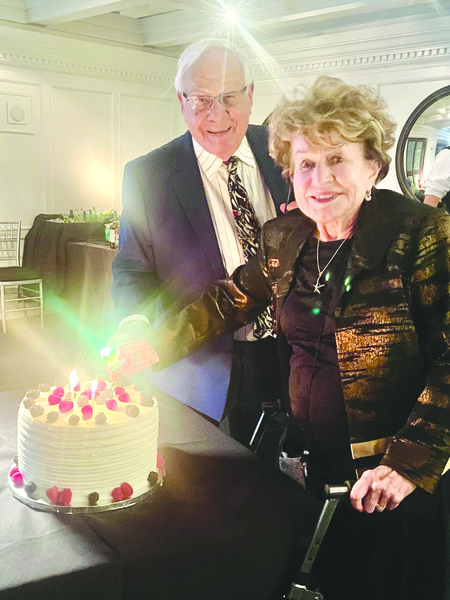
167, 26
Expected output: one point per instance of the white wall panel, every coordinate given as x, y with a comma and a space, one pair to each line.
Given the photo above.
144, 124
22, 181
82, 147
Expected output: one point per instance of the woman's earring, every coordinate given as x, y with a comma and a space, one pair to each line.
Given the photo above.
368, 196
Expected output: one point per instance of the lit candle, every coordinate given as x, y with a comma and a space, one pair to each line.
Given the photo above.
94, 386
73, 383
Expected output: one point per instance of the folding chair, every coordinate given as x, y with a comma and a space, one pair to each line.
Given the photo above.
20, 288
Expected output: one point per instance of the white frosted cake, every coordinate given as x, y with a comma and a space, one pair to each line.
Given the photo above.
92, 445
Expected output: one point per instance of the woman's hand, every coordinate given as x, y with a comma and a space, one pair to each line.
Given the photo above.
378, 489
288, 207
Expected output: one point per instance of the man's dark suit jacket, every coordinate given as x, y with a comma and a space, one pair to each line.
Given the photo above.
169, 253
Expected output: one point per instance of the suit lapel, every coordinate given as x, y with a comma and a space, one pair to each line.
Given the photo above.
190, 194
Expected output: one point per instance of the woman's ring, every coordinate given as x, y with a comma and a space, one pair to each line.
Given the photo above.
380, 508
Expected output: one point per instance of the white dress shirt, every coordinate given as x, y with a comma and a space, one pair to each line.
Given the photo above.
438, 179
214, 175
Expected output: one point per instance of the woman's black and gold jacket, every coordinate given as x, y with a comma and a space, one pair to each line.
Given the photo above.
392, 325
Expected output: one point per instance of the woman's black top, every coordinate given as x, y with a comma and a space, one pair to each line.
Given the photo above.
308, 322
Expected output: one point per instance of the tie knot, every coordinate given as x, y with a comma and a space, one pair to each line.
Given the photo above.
231, 163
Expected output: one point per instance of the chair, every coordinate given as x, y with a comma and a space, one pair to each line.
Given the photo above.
20, 288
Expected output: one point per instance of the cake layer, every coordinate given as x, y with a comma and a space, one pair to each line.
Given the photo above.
100, 446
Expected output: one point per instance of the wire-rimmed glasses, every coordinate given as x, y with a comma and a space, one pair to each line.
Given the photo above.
201, 103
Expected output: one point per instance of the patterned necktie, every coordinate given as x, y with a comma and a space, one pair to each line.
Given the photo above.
249, 231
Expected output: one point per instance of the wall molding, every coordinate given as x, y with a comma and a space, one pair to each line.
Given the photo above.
283, 68
69, 67
395, 46
38, 50
371, 59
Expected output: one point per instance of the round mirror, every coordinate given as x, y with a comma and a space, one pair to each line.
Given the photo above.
426, 132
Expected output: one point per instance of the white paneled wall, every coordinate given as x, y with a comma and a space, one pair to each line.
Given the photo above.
68, 124
22, 177
82, 149
80, 136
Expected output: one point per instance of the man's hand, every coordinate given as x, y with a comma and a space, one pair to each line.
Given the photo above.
131, 357
378, 489
130, 353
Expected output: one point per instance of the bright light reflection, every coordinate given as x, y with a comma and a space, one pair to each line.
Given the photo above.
80, 348
105, 352
231, 16
73, 379
237, 30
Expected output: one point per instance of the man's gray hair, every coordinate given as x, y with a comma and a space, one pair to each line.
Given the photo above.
193, 52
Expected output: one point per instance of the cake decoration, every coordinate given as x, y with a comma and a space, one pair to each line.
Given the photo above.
61, 497
65, 406
52, 416
36, 410
29, 487
152, 477
16, 477
87, 411
147, 401
93, 498
124, 492
100, 418
111, 404
131, 410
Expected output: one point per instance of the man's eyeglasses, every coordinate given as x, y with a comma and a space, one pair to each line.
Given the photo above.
202, 103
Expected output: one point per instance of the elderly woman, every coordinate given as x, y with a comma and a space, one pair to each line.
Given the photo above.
359, 279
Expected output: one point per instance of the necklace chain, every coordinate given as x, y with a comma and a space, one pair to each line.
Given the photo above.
319, 285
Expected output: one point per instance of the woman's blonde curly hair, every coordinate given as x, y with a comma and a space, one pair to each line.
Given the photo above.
328, 108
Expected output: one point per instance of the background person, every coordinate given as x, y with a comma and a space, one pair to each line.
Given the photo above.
360, 280
178, 233
438, 181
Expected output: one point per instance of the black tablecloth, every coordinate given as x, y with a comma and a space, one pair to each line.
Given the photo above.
88, 282
45, 246
223, 527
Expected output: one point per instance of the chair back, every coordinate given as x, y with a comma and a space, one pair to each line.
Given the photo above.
10, 243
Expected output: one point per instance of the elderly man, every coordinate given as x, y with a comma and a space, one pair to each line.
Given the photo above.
190, 216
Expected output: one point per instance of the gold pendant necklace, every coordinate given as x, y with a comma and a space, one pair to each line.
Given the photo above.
319, 285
